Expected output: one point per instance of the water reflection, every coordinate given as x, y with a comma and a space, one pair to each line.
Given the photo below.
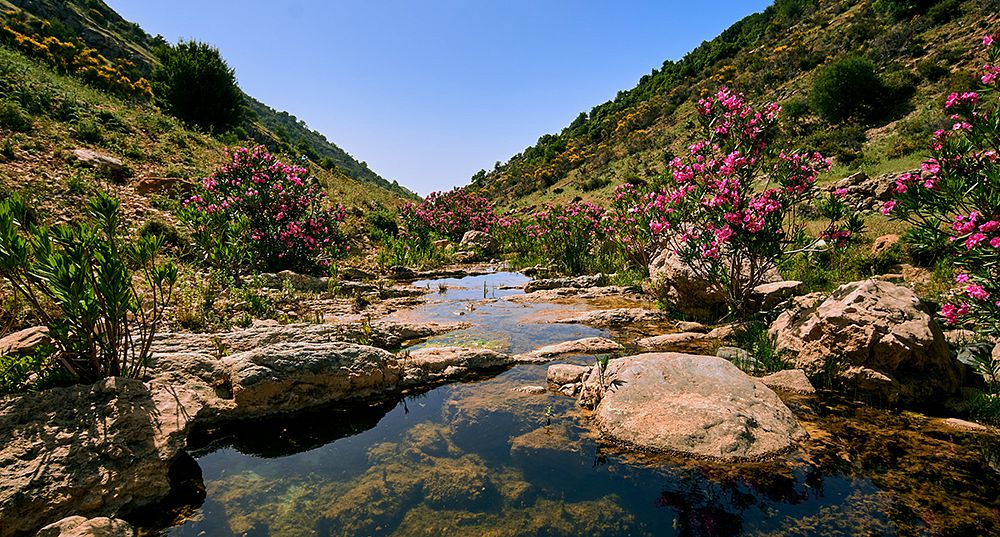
478, 458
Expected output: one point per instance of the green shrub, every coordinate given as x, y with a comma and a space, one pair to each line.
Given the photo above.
382, 220
848, 89
110, 294
195, 84
88, 131
13, 117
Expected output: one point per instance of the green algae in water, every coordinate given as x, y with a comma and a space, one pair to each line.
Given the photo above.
481, 459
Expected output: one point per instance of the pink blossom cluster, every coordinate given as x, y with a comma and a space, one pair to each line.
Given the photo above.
953, 198
451, 214
288, 220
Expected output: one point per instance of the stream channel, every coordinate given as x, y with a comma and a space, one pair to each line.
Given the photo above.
479, 458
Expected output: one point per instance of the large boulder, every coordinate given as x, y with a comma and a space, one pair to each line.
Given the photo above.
693, 405
479, 242
674, 281
288, 377
872, 336
91, 449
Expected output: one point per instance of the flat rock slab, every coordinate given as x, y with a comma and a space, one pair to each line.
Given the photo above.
615, 317
790, 381
587, 345
563, 374
287, 377
439, 363
578, 282
693, 405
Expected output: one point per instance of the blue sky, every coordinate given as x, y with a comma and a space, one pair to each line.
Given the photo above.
429, 92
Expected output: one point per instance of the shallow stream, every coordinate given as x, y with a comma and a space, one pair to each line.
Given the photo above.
479, 458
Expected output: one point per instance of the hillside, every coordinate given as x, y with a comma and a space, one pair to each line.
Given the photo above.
920, 51
125, 42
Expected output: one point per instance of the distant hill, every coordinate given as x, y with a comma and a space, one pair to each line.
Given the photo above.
919, 49
102, 28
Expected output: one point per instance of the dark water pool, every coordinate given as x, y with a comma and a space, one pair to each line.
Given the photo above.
479, 458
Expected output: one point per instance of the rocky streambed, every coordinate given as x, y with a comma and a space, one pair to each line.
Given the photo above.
488, 416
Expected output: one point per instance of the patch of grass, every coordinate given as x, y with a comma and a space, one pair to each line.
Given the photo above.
754, 338
15, 118
87, 130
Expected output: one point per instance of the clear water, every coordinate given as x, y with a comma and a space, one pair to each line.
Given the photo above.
479, 458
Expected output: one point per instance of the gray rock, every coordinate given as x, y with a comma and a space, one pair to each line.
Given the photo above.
530, 389
873, 336
739, 357
479, 242
89, 449
694, 405
770, 295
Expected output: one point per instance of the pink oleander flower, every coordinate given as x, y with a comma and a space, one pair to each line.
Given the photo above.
888, 207
962, 278
976, 292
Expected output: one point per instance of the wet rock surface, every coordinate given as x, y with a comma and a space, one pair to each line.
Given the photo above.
615, 317
696, 405
873, 336
590, 345
78, 526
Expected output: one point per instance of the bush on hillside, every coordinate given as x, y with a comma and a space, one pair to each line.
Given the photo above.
256, 212
848, 89
194, 83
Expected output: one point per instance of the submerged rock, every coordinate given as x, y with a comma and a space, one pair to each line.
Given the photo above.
873, 336
688, 404
78, 526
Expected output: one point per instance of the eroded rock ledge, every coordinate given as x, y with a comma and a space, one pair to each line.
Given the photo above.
108, 447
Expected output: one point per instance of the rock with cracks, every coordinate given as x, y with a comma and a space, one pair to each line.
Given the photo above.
693, 405
874, 337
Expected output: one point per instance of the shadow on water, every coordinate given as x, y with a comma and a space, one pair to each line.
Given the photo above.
479, 457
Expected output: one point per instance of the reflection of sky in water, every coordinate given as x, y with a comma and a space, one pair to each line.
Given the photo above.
254, 493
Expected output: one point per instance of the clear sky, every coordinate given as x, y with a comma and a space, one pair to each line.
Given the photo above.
428, 92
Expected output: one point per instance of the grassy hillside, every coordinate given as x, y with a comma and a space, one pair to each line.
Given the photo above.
125, 43
45, 115
920, 51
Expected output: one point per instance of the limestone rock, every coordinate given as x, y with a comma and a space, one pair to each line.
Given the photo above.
562, 374
676, 282
96, 159
24, 341
789, 380
439, 363
615, 317
287, 377
873, 336
589, 345
577, 282
884, 243
530, 389
478, 241
669, 341
695, 405
88, 449
78, 526
770, 295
